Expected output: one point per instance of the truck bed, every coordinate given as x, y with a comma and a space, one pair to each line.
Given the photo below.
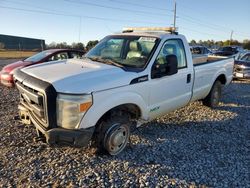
204, 59
206, 71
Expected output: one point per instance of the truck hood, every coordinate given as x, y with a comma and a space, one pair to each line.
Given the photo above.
80, 75
240, 62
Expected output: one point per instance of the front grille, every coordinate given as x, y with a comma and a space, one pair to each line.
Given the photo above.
237, 69
39, 97
35, 102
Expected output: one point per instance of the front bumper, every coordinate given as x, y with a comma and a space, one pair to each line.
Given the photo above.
77, 138
242, 75
38, 107
241, 71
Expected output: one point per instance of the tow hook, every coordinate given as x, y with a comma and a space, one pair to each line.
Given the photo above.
24, 115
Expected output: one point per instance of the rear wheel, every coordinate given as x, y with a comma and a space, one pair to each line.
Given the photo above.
213, 98
113, 134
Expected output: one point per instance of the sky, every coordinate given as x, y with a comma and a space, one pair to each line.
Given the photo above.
83, 20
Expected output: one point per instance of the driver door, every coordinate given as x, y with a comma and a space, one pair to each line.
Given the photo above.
168, 93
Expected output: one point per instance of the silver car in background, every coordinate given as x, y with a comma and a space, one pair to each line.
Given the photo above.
242, 66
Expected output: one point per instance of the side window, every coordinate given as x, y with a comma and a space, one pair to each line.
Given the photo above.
173, 47
74, 55
59, 56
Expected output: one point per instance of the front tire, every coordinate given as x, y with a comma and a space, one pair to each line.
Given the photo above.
213, 98
113, 134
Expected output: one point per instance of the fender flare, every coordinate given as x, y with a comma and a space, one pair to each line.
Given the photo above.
217, 75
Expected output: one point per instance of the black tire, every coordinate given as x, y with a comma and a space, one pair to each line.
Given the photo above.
213, 98
113, 134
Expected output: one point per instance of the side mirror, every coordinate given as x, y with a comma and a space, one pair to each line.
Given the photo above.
166, 69
172, 64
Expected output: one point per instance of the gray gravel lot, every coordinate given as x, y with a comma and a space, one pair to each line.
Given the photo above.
193, 146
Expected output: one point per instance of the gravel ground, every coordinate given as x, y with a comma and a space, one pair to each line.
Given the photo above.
191, 147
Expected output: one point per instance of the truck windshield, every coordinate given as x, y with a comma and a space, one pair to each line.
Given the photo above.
126, 51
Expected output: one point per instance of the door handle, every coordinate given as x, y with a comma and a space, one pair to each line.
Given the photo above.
188, 78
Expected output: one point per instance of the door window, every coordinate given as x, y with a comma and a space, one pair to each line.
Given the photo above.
59, 56
173, 47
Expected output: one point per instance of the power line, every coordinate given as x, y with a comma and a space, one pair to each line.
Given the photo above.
188, 18
39, 11
117, 8
140, 5
209, 23
33, 6
55, 12
78, 16
198, 23
204, 33
210, 27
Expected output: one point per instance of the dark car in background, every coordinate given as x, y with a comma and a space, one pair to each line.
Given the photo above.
202, 50
228, 51
242, 66
6, 75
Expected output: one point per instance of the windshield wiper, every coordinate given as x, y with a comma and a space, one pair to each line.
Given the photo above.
106, 61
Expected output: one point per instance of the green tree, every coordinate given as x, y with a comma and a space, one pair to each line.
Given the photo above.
246, 44
52, 45
63, 45
91, 44
226, 43
219, 43
200, 42
193, 42
79, 46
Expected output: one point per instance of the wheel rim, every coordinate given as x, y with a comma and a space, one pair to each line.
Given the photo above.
216, 96
117, 138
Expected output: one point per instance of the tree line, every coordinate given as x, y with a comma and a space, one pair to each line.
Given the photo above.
208, 43
78, 45
215, 44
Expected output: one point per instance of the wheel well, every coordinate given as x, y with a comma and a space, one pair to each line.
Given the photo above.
132, 109
222, 79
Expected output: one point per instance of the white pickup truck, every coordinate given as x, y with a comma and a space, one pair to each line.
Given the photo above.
127, 79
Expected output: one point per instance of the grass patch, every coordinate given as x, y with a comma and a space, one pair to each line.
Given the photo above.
16, 54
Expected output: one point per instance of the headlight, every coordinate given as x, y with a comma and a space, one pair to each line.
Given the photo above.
242, 66
6, 76
71, 108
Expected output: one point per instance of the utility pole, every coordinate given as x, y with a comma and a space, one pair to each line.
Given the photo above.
80, 27
231, 37
174, 14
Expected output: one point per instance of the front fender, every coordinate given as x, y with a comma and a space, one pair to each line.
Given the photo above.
107, 100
